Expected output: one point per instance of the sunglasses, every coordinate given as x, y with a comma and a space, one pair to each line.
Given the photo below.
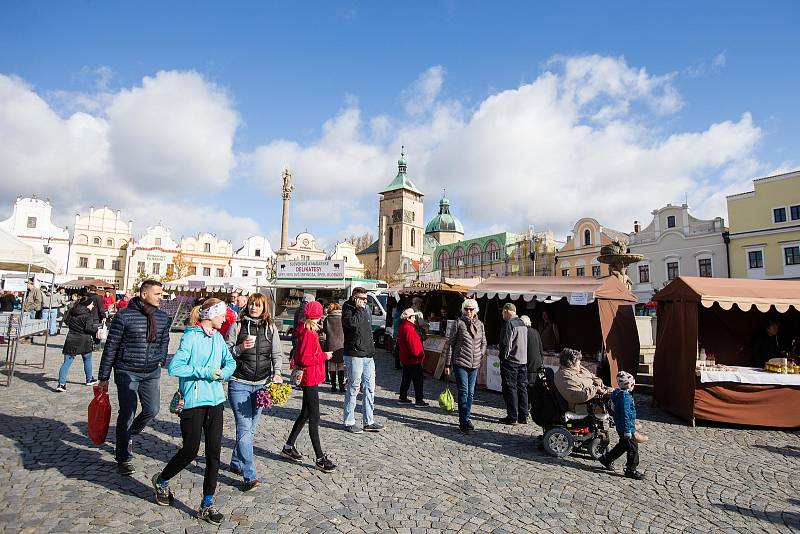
361, 298
469, 309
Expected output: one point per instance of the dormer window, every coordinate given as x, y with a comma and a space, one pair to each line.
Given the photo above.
206, 247
158, 241
670, 221
31, 222
587, 237
258, 253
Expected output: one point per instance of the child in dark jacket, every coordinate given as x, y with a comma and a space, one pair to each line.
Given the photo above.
625, 420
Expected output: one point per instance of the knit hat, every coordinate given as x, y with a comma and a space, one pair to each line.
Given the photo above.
312, 310
625, 380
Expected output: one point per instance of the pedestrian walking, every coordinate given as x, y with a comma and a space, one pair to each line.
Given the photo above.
78, 341
467, 347
310, 359
359, 352
514, 366
136, 349
51, 302
64, 301
108, 302
255, 344
334, 343
625, 421
201, 364
411, 357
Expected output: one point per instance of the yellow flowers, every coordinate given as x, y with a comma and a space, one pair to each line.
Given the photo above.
280, 393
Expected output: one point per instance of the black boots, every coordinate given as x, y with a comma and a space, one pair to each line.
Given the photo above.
332, 380
341, 381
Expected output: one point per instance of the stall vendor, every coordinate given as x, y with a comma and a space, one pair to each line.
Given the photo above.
768, 343
548, 331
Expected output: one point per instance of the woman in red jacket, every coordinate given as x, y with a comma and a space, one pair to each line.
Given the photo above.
411, 357
310, 359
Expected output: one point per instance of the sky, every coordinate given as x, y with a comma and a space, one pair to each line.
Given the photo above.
530, 114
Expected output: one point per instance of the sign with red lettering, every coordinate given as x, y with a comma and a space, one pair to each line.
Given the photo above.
320, 269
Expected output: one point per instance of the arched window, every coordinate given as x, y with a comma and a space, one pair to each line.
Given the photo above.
413, 236
492, 251
444, 259
587, 237
82, 239
95, 241
474, 255
390, 238
109, 242
458, 257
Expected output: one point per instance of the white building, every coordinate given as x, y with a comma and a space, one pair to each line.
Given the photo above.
674, 244
151, 256
100, 242
305, 248
31, 222
207, 255
346, 252
253, 258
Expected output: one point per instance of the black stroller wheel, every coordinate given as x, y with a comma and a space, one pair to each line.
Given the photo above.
597, 448
558, 442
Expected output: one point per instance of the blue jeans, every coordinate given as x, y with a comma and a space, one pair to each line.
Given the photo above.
465, 381
360, 372
50, 317
68, 359
242, 398
131, 388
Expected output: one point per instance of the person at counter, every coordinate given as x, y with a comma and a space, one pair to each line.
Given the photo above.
768, 343
514, 366
575, 382
548, 331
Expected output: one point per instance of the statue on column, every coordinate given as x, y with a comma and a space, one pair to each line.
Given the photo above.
287, 184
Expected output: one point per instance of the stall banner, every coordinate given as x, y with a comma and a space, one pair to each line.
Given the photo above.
493, 380
317, 269
579, 298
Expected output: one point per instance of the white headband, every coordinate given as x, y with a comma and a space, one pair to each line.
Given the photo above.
214, 311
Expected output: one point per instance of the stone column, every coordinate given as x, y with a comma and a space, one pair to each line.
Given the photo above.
287, 196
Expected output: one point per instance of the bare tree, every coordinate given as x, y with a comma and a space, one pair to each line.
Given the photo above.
361, 241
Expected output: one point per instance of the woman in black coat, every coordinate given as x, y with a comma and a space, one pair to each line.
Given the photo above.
80, 340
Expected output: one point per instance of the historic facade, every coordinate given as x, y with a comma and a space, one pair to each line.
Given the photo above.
676, 243
578, 257
31, 221
304, 247
254, 258
346, 252
445, 228
207, 255
765, 229
150, 257
99, 247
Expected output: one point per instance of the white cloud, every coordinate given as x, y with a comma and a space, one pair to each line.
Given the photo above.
420, 95
719, 60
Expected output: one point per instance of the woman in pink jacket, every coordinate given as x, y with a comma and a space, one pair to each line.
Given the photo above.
310, 359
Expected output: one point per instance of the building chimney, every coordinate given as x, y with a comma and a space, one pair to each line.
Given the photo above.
636, 227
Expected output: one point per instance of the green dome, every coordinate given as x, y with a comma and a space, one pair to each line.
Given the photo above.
444, 221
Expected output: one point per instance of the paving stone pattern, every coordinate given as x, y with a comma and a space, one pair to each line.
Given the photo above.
419, 475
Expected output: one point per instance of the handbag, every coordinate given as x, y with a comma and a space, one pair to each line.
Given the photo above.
99, 416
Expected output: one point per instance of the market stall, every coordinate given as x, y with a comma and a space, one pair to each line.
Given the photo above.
719, 318
593, 315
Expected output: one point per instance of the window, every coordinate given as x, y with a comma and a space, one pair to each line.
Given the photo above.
259, 273
140, 267
258, 254
95, 240
390, 238
779, 215
100, 263
595, 270
792, 255
493, 251
794, 212
83, 262
206, 247
672, 270
644, 274
474, 255
31, 222
109, 242
156, 268
158, 241
82, 240
115, 265
444, 258
245, 273
458, 257
220, 272
192, 270
564, 272
413, 236
670, 221
206, 271
305, 257
755, 259
580, 271
587, 237
704, 267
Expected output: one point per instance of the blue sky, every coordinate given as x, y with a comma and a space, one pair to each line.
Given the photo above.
466, 86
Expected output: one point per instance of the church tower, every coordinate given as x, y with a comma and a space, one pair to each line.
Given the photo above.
400, 230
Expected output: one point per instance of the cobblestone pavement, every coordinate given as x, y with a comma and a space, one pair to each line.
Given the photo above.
419, 475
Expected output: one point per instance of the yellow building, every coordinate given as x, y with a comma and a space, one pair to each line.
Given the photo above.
765, 229
578, 257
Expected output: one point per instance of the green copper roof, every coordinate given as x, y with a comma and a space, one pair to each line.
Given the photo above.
402, 181
429, 245
444, 222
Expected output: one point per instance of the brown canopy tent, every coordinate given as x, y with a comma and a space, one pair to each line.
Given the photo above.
591, 313
78, 284
722, 315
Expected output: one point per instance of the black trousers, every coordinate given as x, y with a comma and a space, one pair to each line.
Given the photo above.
308, 412
194, 422
625, 445
412, 373
515, 389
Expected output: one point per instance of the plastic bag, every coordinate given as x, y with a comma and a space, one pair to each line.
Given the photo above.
102, 332
446, 401
99, 416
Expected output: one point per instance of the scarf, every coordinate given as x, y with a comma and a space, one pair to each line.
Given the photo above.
150, 312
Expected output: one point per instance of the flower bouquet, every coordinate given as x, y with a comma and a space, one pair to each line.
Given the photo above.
273, 394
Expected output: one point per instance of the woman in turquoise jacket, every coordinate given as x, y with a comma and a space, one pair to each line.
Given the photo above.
202, 362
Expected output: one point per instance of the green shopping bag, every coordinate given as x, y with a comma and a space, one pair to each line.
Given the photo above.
446, 401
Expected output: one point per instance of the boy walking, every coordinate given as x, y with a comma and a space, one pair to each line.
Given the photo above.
625, 419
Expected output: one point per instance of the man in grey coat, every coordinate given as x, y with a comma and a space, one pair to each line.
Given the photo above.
514, 366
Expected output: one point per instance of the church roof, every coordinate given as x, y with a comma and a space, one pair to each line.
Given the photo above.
402, 181
444, 221
372, 249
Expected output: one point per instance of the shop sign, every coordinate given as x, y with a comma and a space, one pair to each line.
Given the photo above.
431, 286
156, 257
318, 269
579, 298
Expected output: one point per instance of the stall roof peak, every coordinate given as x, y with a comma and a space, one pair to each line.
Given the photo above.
553, 288
726, 292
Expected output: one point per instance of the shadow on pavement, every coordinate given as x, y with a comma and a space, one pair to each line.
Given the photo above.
790, 519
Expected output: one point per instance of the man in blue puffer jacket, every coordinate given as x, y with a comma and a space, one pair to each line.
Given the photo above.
136, 348
625, 420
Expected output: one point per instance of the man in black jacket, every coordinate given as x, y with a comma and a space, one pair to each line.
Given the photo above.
136, 348
359, 350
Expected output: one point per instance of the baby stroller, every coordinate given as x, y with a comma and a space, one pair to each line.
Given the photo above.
565, 431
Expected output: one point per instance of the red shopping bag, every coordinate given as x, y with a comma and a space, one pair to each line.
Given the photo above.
99, 416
